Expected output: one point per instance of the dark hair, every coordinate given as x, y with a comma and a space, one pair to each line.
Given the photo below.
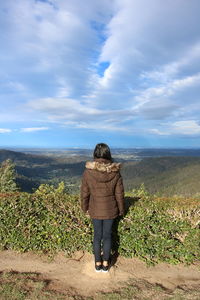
102, 151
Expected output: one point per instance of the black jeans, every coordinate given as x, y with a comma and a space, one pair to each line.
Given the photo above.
102, 232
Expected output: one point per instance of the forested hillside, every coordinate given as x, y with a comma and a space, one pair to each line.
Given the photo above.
34, 169
162, 175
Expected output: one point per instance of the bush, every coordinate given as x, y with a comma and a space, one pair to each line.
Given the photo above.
49, 220
8, 177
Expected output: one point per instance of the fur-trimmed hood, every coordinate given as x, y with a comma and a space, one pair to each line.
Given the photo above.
102, 166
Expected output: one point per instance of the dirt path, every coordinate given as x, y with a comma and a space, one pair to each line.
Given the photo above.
77, 274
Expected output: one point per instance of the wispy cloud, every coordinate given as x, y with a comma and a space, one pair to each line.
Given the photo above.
33, 129
5, 130
181, 128
76, 114
190, 127
159, 102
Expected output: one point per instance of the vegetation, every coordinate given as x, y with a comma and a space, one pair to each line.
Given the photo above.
164, 175
161, 229
33, 170
8, 177
22, 286
169, 176
49, 220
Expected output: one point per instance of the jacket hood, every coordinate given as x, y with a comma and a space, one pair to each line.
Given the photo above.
103, 167
103, 170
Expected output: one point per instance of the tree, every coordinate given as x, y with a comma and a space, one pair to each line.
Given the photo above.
8, 177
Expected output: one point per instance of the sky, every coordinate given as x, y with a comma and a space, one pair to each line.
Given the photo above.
74, 73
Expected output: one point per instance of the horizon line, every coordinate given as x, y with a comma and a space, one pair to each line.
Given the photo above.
91, 148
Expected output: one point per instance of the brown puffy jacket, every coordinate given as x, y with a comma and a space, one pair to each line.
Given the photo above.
102, 191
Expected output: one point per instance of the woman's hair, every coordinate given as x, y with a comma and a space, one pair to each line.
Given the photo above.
102, 151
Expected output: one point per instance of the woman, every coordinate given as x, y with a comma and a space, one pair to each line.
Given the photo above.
102, 196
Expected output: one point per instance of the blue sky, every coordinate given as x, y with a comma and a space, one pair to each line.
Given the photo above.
125, 72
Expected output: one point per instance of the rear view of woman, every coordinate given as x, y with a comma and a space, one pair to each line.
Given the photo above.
102, 196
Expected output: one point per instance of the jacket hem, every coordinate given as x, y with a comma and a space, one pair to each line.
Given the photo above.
103, 217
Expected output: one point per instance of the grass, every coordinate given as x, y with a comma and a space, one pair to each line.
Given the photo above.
142, 290
31, 286
26, 286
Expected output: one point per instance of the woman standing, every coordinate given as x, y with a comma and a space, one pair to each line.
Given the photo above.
102, 196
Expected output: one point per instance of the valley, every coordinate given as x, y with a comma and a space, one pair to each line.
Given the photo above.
162, 171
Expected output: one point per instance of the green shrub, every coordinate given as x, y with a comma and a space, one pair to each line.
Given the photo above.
8, 177
50, 220
46, 221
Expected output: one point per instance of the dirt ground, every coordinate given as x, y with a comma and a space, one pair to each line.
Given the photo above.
78, 276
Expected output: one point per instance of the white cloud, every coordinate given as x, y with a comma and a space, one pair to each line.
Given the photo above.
99, 126
79, 114
16, 86
52, 53
180, 128
62, 108
155, 102
146, 48
157, 131
5, 130
189, 127
185, 82
168, 72
53, 38
138, 37
33, 129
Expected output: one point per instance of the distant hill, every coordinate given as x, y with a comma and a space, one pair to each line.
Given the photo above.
22, 157
164, 175
34, 169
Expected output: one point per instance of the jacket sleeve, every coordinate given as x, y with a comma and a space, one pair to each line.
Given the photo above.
85, 193
119, 195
